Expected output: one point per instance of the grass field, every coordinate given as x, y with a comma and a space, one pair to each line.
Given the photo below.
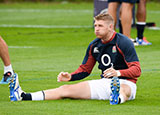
57, 43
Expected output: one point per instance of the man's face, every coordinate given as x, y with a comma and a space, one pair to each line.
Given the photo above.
101, 28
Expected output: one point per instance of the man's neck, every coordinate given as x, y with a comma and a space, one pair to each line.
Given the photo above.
108, 37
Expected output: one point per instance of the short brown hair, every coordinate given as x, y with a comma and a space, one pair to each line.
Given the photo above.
105, 17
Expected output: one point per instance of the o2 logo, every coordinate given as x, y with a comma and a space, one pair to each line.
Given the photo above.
103, 58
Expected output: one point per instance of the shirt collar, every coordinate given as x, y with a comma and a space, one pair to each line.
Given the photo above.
112, 40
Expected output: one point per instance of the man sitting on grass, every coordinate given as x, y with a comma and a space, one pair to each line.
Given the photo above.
117, 60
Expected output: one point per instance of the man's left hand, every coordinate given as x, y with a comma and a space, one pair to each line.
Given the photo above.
110, 73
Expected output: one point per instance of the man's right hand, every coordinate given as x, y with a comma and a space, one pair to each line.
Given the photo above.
64, 76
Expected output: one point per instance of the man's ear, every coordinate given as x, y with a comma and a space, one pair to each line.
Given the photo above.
111, 26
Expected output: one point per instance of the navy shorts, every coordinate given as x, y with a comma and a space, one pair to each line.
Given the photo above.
127, 1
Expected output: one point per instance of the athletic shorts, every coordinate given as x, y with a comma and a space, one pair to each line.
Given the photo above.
120, 1
100, 89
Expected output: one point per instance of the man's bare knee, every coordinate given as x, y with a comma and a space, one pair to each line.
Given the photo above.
78, 91
65, 90
125, 91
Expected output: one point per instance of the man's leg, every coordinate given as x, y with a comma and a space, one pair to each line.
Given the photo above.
141, 11
126, 18
82, 91
125, 92
112, 10
4, 54
78, 91
141, 18
141, 22
120, 92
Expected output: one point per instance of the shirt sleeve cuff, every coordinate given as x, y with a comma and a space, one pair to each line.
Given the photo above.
118, 73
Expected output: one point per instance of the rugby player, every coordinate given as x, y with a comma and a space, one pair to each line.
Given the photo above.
117, 59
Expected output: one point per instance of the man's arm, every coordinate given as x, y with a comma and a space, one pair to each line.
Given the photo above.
86, 67
133, 71
132, 61
83, 71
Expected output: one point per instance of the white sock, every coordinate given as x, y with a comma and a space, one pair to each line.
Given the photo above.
38, 96
8, 69
122, 98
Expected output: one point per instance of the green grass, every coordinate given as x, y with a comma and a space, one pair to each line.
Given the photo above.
62, 49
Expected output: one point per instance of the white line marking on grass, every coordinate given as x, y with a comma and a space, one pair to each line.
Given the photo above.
154, 28
57, 26
22, 47
44, 26
153, 12
60, 10
46, 10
